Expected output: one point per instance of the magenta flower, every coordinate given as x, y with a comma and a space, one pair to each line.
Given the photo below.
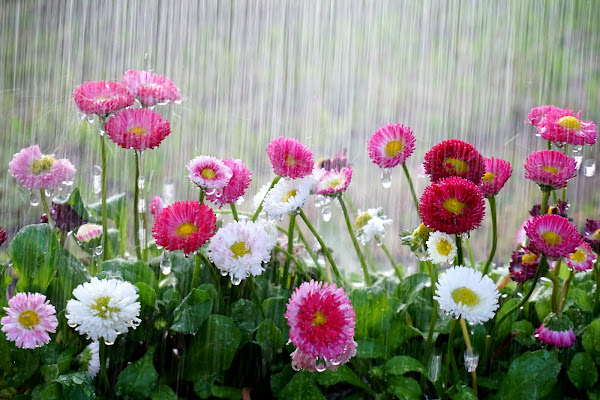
523, 265
35, 171
591, 234
391, 145
552, 235
304, 362
156, 205
2, 235
497, 172
102, 97
237, 185
290, 158
333, 182
137, 128
454, 157
582, 259
538, 113
150, 88
209, 173
550, 169
339, 161
556, 330
563, 127
29, 319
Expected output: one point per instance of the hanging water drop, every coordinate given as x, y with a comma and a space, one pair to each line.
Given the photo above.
386, 178
168, 191
34, 198
576, 148
98, 250
165, 265
223, 272
97, 179
91, 118
141, 206
320, 366
471, 360
109, 343
336, 360
578, 159
141, 183
326, 213
589, 168
235, 280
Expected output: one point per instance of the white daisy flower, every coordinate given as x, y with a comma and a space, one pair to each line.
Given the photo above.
260, 195
370, 224
89, 359
441, 248
240, 249
466, 293
287, 196
103, 308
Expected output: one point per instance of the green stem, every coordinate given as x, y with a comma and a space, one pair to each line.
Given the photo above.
296, 262
234, 211
597, 294
260, 206
549, 145
211, 270
555, 197
290, 249
544, 205
102, 356
470, 253
369, 256
412, 189
429, 341
361, 258
459, 251
389, 256
492, 201
136, 215
565, 291
255, 296
196, 274
46, 209
201, 196
455, 375
555, 288
465, 332
104, 208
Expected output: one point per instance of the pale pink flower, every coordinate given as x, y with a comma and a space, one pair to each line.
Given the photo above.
237, 185
552, 235
35, 171
537, 114
29, 319
150, 88
333, 182
290, 158
550, 169
156, 205
391, 145
582, 259
209, 173
102, 97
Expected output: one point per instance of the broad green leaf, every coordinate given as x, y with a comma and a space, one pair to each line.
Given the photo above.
269, 338
64, 359
51, 392
409, 286
163, 392
373, 312
342, 374
25, 363
131, 271
192, 312
506, 326
582, 299
147, 294
5, 355
400, 365
226, 392
275, 308
247, 317
138, 379
70, 273
582, 371
524, 331
370, 348
465, 393
531, 376
204, 383
77, 386
301, 387
591, 340
75, 201
116, 209
49, 372
281, 379
404, 388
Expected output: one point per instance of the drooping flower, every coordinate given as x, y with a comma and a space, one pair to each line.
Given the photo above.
391, 145
556, 330
240, 249
321, 320
582, 259
591, 234
441, 248
34, 170
452, 205
497, 172
417, 239
523, 265
466, 293
536, 114
563, 127
184, 225
333, 182
304, 362
29, 319
156, 205
290, 158
560, 208
150, 88
209, 173
550, 169
137, 128
339, 161
370, 224
454, 157
89, 359
65, 217
102, 97
103, 308
287, 196
88, 232
237, 185
552, 235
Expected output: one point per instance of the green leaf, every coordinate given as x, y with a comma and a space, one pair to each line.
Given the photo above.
49, 372
75, 201
524, 331
77, 386
370, 348
373, 312
582, 299
5, 356
582, 371
531, 376
342, 374
301, 387
226, 392
275, 308
400, 365
269, 338
138, 379
51, 392
410, 286
203, 385
163, 392
247, 316
506, 326
70, 273
131, 271
116, 209
465, 393
192, 312
281, 379
64, 359
591, 340
404, 388
147, 294
25, 363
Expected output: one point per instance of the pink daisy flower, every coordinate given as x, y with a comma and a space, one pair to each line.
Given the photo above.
537, 114
35, 171
156, 205
209, 173
523, 265
391, 145
550, 169
452, 205
102, 97
563, 127
497, 172
339, 161
185, 225
333, 182
556, 330
137, 128
29, 319
237, 185
454, 157
582, 259
591, 234
290, 158
304, 362
321, 320
88, 232
150, 88
552, 235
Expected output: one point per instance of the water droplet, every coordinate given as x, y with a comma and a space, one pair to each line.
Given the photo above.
326, 213
465, 235
141, 182
218, 193
72, 325
576, 148
240, 201
336, 360
289, 342
90, 118
168, 191
223, 272
102, 132
165, 265
589, 168
109, 343
49, 193
34, 198
386, 178
471, 360
136, 323
142, 234
295, 367
141, 208
177, 102
235, 280
211, 192
320, 366
97, 179
98, 250
578, 161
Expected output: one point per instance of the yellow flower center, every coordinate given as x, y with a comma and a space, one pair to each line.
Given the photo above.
362, 220
596, 235
102, 309
208, 173
454, 206
578, 256
335, 183
186, 229
454, 165
393, 148
239, 249
444, 247
290, 160
570, 123
318, 319
422, 231
489, 177
286, 197
29, 319
42, 164
551, 238
465, 296
529, 258
138, 130
550, 169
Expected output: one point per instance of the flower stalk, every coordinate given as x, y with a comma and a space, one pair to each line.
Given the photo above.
465, 332
492, 201
361, 258
290, 248
412, 188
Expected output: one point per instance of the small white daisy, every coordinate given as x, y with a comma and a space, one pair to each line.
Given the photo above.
466, 293
241, 248
260, 195
370, 224
104, 308
441, 248
89, 359
287, 196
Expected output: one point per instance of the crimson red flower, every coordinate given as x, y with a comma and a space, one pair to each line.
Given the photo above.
452, 205
454, 157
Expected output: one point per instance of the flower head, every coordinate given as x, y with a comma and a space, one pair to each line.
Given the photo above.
582, 259
237, 185
321, 320
560, 208
103, 308
370, 224
466, 293
391, 145
523, 265
338, 162
89, 359
301, 361
497, 172
290, 158
184, 225
34, 170
537, 114
550, 169
2, 235
29, 319
209, 173
287, 196
102, 97
454, 157
452, 205
333, 182
88, 232
417, 240
156, 205
150, 88
556, 330
137, 128
552, 235
65, 217
563, 127
591, 234
441, 248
